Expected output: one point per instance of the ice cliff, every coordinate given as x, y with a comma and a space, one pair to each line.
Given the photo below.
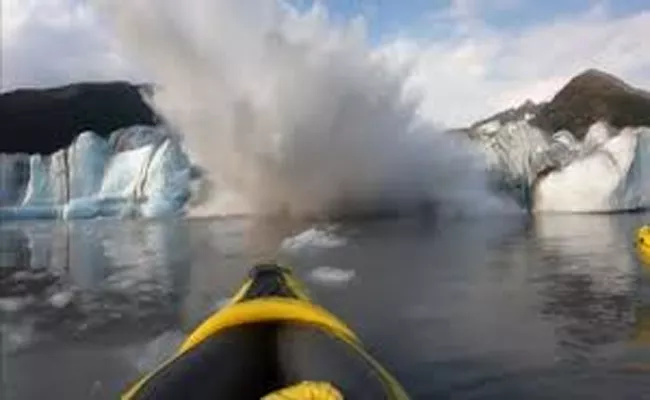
140, 171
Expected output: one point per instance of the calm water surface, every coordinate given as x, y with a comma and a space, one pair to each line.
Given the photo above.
495, 308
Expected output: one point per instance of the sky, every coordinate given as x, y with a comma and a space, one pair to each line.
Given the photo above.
436, 19
469, 58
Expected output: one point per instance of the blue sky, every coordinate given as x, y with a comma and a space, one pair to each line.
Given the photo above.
469, 58
430, 18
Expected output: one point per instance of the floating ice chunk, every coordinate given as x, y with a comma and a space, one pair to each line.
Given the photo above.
332, 276
61, 299
313, 238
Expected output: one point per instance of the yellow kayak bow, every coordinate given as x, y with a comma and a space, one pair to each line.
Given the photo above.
270, 342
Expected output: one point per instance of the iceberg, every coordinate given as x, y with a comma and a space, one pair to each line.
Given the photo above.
332, 276
509, 151
313, 239
606, 171
612, 176
140, 171
589, 183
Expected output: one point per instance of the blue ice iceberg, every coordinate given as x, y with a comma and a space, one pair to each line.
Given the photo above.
140, 171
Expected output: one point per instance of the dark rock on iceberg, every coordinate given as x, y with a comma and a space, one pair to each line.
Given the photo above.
594, 96
46, 120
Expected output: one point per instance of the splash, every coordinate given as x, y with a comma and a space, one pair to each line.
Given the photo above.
289, 112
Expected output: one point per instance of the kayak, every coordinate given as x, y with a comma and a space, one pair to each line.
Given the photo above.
643, 244
270, 342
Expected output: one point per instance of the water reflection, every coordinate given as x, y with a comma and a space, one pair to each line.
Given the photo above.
590, 284
111, 298
500, 307
638, 354
74, 294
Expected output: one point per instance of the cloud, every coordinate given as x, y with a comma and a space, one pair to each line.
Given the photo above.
473, 71
53, 42
482, 69
474, 9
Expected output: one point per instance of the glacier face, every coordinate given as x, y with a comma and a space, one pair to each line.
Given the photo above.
142, 171
510, 151
606, 171
139, 171
590, 183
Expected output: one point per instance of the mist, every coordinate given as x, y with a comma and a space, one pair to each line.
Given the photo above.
289, 112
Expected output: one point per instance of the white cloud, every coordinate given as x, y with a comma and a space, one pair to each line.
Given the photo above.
476, 71
473, 9
53, 42
485, 70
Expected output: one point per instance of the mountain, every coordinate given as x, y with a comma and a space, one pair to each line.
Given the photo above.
592, 96
525, 112
587, 150
43, 121
587, 98
86, 150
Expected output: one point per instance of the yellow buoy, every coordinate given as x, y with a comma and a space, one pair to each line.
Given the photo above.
643, 244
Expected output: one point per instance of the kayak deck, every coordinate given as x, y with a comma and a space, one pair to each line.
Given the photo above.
270, 337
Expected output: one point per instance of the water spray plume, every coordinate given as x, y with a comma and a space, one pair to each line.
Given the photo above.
290, 112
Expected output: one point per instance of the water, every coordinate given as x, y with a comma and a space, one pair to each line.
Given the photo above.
477, 309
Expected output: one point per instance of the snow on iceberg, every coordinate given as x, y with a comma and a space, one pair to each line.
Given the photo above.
587, 184
597, 135
610, 177
139, 171
604, 172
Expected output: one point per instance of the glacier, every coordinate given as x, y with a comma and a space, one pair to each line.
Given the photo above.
509, 151
143, 171
139, 171
607, 171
